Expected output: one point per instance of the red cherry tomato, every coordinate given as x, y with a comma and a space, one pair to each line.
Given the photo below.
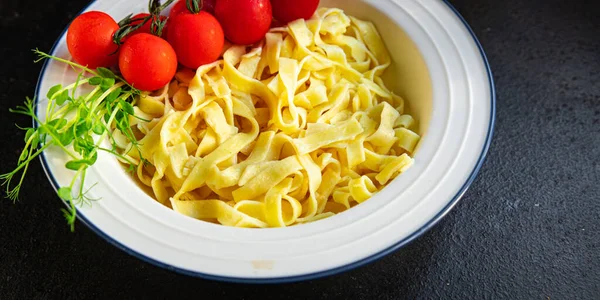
147, 62
244, 21
180, 7
197, 38
146, 28
89, 40
286, 11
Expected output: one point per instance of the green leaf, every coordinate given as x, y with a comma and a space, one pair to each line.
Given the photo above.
66, 137
92, 160
57, 123
89, 139
106, 73
48, 129
83, 112
65, 193
77, 147
107, 83
89, 144
75, 164
98, 128
24, 154
113, 96
82, 128
95, 80
30, 132
53, 90
89, 123
35, 141
127, 107
84, 145
120, 115
64, 96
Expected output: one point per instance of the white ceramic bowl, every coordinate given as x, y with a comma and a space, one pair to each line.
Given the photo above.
439, 68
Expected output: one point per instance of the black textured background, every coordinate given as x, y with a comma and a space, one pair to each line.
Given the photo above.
526, 229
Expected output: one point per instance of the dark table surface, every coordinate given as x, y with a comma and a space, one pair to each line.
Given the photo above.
528, 228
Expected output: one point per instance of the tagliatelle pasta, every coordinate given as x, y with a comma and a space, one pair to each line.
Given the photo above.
293, 130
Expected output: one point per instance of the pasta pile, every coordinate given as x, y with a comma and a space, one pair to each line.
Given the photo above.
293, 130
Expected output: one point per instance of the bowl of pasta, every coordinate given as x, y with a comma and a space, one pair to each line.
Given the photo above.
330, 142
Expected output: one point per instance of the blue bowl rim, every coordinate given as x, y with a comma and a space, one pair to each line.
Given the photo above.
320, 274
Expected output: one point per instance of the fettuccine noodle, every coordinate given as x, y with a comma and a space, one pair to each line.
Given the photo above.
293, 130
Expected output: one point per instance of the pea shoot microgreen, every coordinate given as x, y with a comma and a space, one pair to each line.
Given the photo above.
70, 123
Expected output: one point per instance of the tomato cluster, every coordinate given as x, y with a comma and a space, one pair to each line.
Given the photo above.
148, 56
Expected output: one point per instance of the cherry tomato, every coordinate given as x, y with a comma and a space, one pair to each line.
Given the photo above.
197, 38
180, 7
244, 21
89, 39
146, 28
147, 62
286, 11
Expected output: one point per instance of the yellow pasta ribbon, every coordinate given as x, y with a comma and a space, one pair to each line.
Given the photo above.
292, 130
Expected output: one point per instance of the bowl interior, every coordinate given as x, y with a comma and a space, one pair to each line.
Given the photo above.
408, 76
